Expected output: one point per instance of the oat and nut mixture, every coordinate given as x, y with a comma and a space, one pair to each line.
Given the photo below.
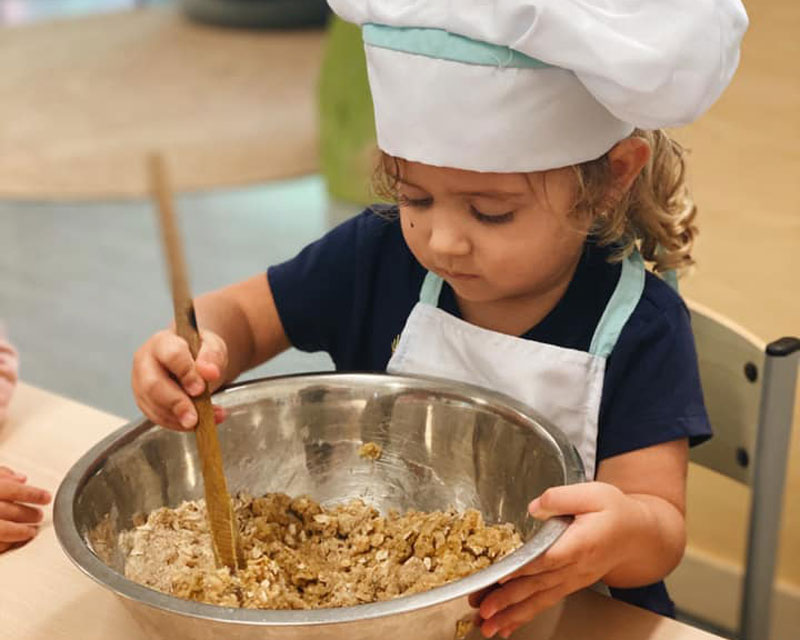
370, 451
301, 556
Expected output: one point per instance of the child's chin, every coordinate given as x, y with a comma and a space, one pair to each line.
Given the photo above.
473, 291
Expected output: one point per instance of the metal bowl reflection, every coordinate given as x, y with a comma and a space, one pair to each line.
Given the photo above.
444, 444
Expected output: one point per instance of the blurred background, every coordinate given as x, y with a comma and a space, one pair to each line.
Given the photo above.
262, 112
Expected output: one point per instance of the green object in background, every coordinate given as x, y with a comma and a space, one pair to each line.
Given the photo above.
347, 123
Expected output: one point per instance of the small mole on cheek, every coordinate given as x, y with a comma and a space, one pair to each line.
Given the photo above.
411, 224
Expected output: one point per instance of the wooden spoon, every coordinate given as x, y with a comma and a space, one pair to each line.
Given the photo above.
221, 519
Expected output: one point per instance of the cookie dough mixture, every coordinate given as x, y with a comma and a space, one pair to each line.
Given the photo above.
302, 556
370, 451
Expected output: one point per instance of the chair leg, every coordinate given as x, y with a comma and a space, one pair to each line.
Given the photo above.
775, 426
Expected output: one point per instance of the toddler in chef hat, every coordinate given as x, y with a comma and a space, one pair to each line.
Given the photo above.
522, 142
572, 95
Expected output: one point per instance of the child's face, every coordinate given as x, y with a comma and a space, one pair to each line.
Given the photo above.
492, 236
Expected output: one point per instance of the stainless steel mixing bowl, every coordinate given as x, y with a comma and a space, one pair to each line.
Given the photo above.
444, 443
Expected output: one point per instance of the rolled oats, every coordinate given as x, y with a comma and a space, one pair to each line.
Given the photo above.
301, 556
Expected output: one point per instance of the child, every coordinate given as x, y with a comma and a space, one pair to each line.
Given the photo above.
18, 518
521, 142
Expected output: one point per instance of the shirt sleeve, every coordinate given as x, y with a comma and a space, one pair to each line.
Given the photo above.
652, 391
314, 291
348, 293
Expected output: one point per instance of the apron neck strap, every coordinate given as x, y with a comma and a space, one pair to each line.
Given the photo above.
431, 289
671, 278
620, 306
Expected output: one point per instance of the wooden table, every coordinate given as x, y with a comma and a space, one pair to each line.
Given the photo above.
44, 597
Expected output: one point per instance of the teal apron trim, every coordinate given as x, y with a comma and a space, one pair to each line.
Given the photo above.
671, 278
617, 312
620, 307
431, 288
438, 43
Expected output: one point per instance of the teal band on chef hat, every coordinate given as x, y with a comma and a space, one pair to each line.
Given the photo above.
439, 43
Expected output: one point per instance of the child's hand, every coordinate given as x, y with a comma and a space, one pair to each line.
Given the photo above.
164, 375
589, 548
17, 517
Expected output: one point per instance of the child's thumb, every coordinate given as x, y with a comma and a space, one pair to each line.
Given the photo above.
212, 359
573, 499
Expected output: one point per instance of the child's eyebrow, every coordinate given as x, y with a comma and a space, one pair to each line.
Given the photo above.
492, 193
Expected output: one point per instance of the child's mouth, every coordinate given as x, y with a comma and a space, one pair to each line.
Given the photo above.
457, 275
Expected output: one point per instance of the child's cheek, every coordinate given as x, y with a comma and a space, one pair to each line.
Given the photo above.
414, 235
410, 227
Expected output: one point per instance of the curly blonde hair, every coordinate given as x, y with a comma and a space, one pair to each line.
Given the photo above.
656, 214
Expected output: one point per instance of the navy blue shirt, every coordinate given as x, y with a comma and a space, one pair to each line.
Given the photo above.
350, 293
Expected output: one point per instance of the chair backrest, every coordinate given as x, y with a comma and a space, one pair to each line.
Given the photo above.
749, 391
731, 370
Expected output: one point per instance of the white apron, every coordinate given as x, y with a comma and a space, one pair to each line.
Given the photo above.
562, 385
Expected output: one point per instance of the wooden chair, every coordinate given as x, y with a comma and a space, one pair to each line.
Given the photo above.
749, 390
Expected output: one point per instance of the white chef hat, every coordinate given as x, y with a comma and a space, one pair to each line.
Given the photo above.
526, 85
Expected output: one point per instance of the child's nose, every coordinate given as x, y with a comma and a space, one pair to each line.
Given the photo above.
447, 237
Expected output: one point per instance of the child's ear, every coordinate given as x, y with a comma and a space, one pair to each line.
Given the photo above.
626, 160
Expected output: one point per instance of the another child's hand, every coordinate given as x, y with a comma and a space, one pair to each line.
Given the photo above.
164, 375
587, 551
17, 518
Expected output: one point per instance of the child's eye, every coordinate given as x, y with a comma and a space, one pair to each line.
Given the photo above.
419, 203
493, 218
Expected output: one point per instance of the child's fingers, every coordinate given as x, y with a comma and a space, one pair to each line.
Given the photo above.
15, 532
522, 612
573, 499
173, 354
476, 598
20, 513
159, 396
17, 492
212, 358
219, 414
161, 416
5, 472
165, 397
210, 372
168, 419
518, 590
554, 559
5, 546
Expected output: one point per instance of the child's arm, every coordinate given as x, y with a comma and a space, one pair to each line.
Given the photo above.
18, 519
628, 531
239, 327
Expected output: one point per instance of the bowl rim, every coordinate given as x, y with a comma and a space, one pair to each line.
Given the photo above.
85, 559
